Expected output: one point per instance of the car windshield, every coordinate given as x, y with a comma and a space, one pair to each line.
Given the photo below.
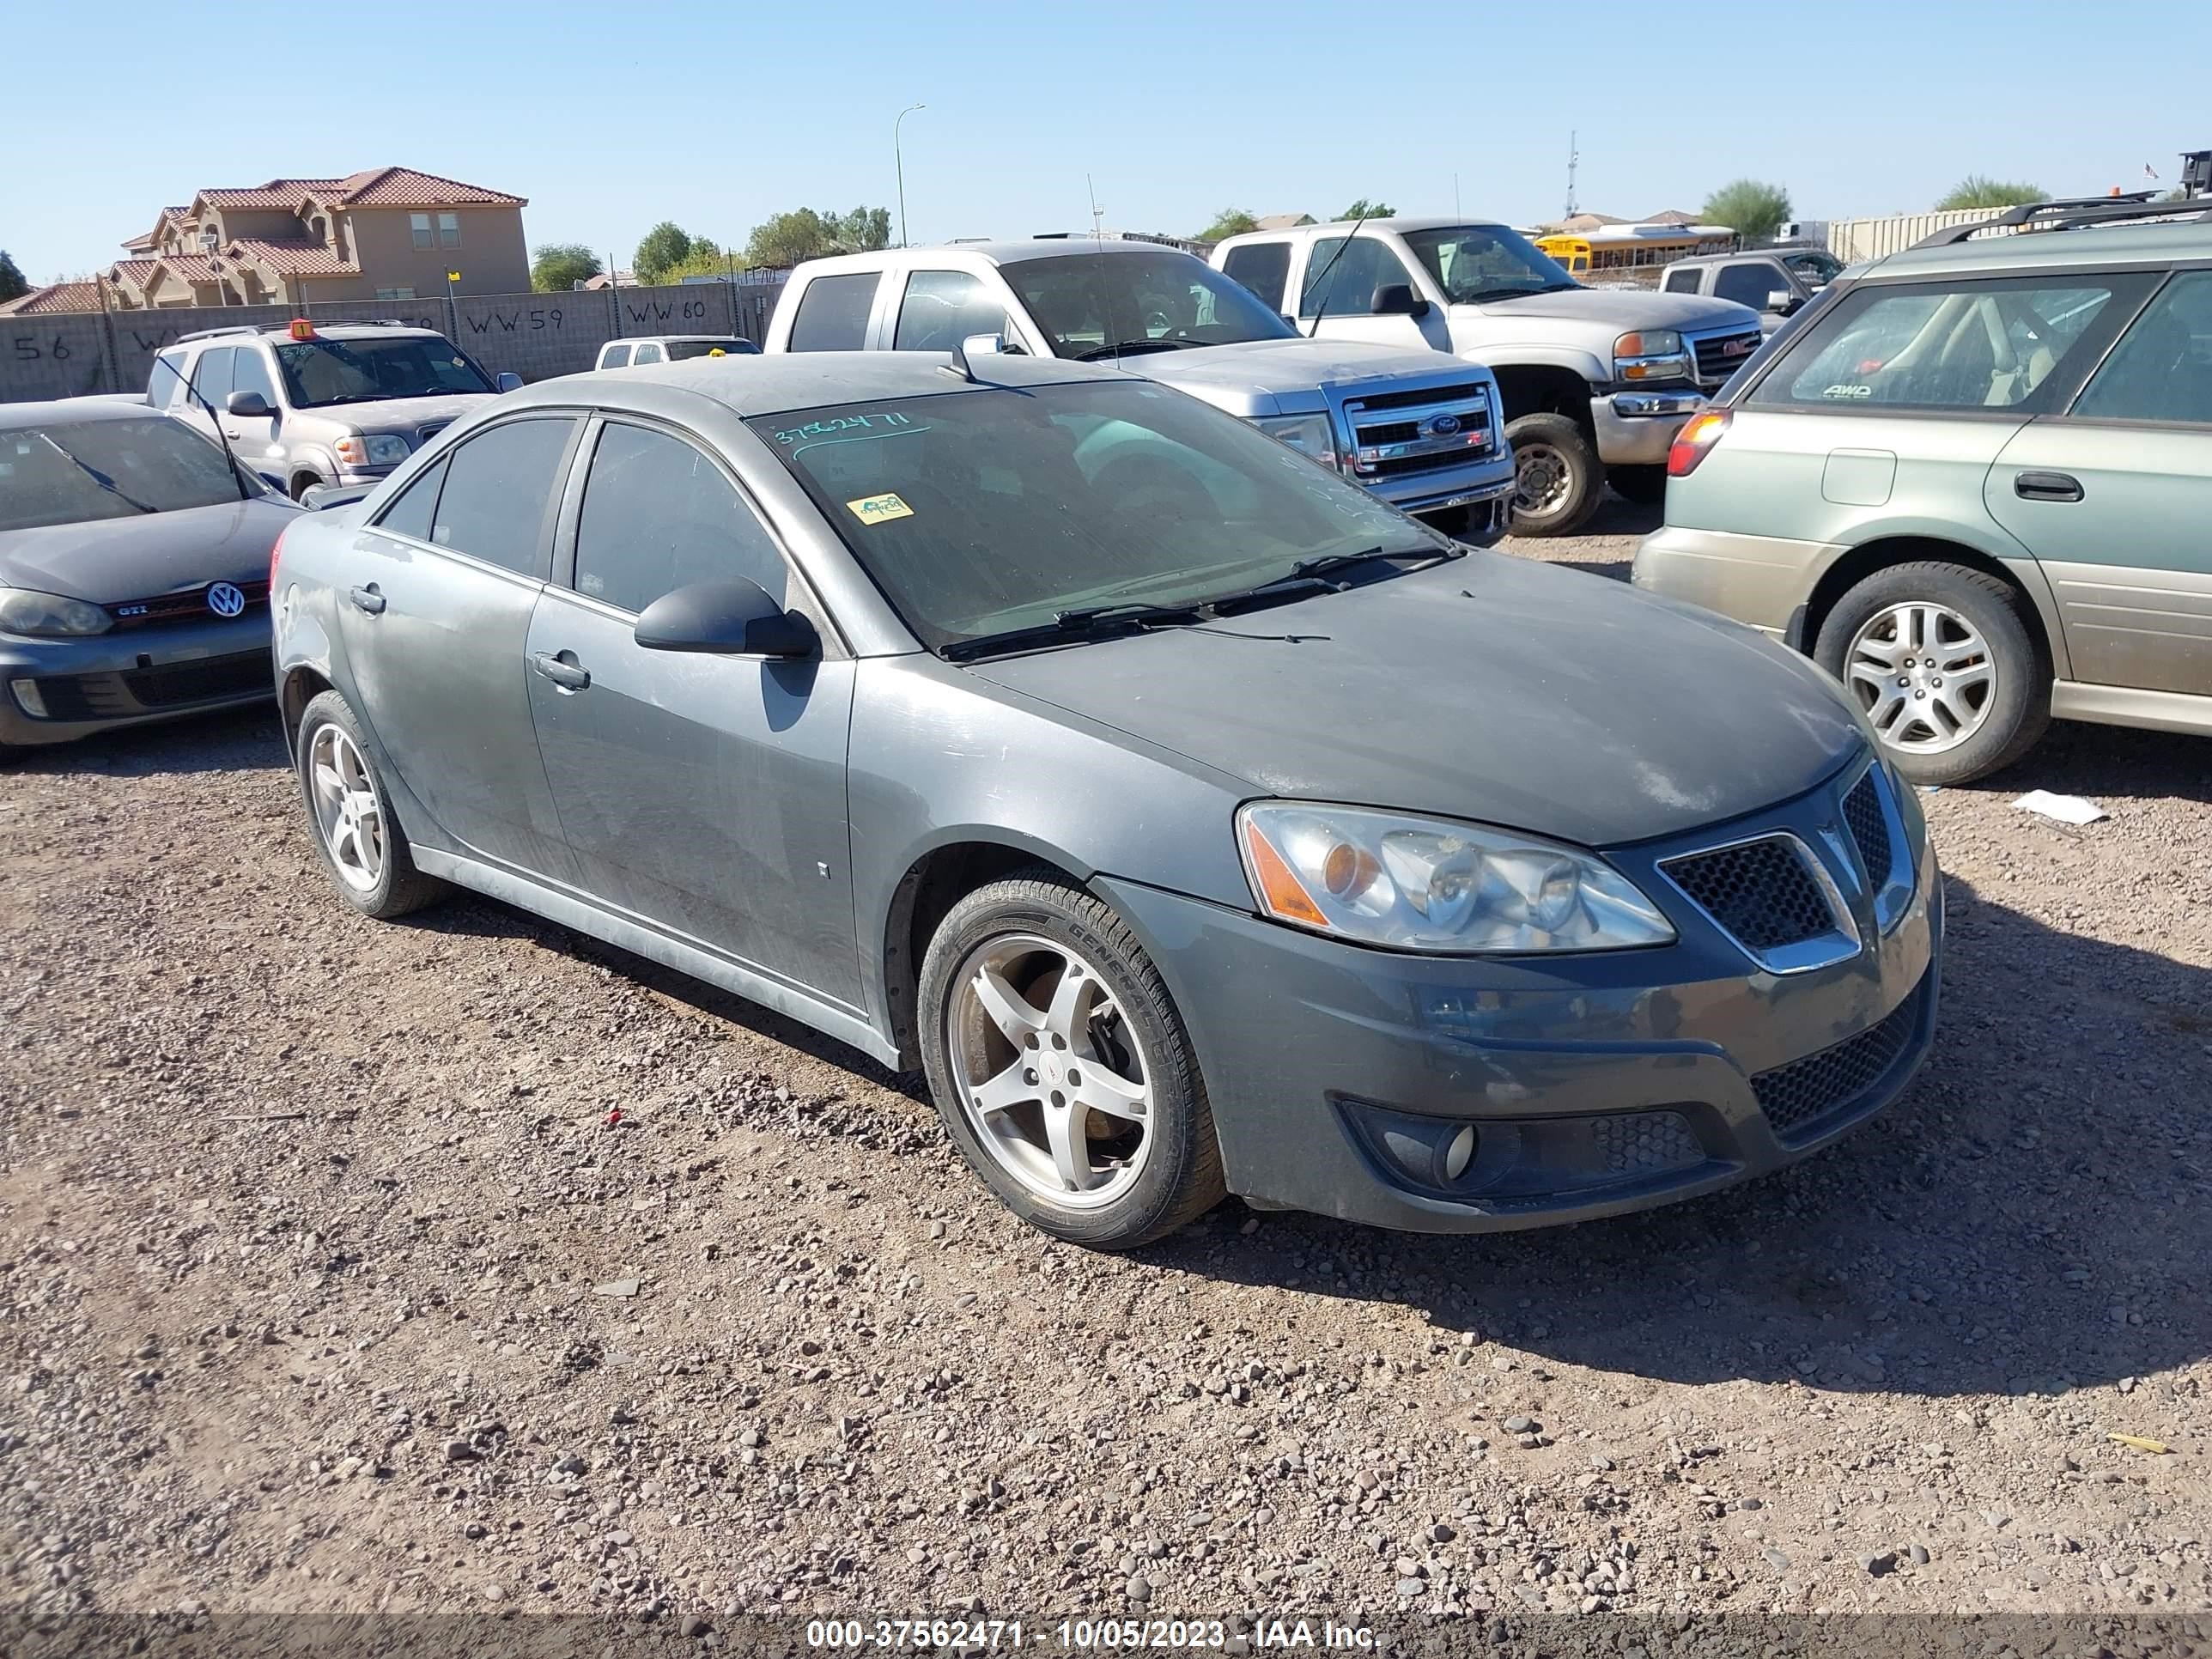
1814, 269
1092, 305
319, 373
1474, 262
679, 350
981, 512
71, 471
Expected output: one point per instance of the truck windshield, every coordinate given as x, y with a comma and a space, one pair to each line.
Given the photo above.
1475, 263
1815, 269
68, 472
1092, 305
985, 513
319, 373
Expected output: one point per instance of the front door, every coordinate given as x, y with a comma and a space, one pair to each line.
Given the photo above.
254, 438
434, 627
704, 795
1342, 279
2114, 498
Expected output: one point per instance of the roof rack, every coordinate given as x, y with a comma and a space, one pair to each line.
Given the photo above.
212, 333
2071, 213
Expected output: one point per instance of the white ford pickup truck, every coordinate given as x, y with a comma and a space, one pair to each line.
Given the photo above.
1424, 433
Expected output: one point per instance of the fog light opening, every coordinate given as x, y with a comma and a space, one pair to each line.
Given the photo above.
1460, 1153
27, 694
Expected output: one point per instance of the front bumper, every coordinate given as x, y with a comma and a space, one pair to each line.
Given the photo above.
132, 677
1764, 581
1626, 1079
1486, 490
1635, 428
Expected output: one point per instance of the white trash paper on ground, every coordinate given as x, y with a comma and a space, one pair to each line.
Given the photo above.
2067, 809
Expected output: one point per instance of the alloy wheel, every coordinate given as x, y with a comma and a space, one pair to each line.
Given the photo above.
348, 815
1924, 676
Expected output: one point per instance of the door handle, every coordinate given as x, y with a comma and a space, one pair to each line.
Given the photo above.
367, 598
566, 675
2046, 487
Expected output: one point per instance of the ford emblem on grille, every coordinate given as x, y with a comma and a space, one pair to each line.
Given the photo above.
1442, 426
225, 600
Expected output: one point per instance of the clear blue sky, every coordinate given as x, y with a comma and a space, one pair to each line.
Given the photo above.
611, 116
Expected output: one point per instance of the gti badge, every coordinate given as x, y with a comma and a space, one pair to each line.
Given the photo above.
225, 600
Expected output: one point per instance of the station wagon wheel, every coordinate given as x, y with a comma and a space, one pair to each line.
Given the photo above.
1945, 663
350, 812
1061, 1067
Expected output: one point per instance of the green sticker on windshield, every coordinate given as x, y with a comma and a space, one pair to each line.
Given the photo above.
878, 509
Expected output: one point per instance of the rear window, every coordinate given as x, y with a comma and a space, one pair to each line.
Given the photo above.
679, 350
833, 312
2001, 344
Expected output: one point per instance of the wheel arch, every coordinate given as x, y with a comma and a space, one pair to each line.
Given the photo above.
1544, 389
303, 685
1864, 559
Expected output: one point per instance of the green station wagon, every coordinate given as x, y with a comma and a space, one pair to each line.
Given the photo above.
1974, 482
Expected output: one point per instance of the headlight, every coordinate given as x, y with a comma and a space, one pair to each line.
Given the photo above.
1651, 354
1430, 884
49, 615
377, 449
1309, 435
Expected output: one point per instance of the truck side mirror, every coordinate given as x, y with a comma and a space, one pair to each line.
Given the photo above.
247, 405
508, 380
1397, 300
1782, 301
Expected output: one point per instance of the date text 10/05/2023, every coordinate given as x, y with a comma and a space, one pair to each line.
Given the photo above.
1086, 1635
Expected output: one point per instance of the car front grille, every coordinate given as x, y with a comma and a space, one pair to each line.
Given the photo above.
1807, 1096
148, 690
190, 605
1720, 355
1763, 893
1639, 1143
1869, 825
1421, 430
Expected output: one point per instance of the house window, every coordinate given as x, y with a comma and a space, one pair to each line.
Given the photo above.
395, 294
420, 224
449, 230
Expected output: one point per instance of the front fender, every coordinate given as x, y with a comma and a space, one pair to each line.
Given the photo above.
1506, 355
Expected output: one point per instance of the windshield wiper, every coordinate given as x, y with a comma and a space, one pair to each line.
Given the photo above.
1316, 575
98, 476
1084, 622
1096, 352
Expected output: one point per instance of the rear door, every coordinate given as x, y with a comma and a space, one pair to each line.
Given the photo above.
2115, 498
433, 629
703, 794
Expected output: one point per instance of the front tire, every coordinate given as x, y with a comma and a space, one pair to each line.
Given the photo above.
349, 814
1062, 1068
1557, 482
1944, 662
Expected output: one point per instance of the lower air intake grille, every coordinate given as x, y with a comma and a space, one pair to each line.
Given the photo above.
1637, 1143
199, 682
1759, 891
1798, 1096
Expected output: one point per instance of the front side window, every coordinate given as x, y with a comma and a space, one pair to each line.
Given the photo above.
211, 374
1342, 276
319, 373
1098, 305
981, 512
941, 308
833, 312
1967, 345
1747, 285
657, 516
1263, 267
647, 353
71, 471
1475, 264
449, 230
499, 492
166, 384
419, 223
250, 373
2161, 369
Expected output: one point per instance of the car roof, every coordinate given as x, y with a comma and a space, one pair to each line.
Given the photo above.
776, 381
1001, 253
670, 339
1400, 223
2153, 243
15, 418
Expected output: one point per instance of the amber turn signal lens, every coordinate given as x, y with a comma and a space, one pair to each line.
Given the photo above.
1285, 897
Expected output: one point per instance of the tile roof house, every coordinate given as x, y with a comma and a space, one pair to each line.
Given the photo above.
1282, 221
55, 296
385, 232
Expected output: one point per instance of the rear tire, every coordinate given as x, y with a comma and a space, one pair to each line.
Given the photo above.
1930, 644
1646, 486
1035, 1001
1557, 481
349, 815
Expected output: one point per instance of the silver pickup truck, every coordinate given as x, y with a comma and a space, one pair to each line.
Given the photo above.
1596, 381
1424, 435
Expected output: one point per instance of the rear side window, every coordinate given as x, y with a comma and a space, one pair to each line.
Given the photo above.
833, 312
615, 356
941, 308
1983, 345
657, 516
1682, 281
2161, 370
499, 492
1263, 267
1748, 284
647, 353
411, 512
211, 375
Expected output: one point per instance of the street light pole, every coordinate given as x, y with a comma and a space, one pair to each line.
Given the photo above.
898, 160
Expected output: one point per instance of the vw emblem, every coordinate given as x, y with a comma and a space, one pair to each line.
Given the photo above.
1442, 426
226, 600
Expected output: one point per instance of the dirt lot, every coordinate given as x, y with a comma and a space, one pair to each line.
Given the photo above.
323, 1285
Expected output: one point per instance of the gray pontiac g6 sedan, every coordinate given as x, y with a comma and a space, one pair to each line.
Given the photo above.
1197, 823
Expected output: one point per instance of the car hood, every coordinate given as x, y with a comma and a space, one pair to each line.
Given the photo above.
1271, 377
1488, 689
400, 413
1622, 309
112, 561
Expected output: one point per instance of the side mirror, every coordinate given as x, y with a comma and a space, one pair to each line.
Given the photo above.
508, 380
732, 618
983, 345
1397, 300
247, 405
1782, 301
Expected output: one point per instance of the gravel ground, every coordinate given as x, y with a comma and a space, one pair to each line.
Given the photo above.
325, 1283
